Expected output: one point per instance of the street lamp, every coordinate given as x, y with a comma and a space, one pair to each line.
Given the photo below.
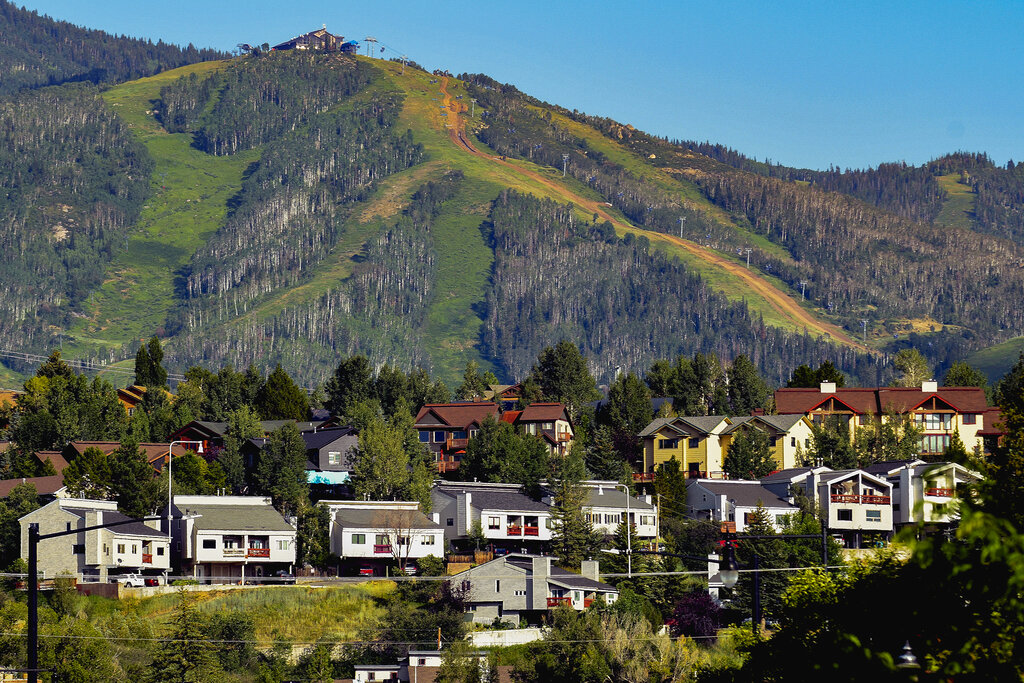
629, 533
170, 478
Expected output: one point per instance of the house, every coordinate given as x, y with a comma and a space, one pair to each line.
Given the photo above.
854, 503
508, 518
546, 420
925, 492
329, 454
224, 539
506, 395
420, 666
131, 397
607, 507
211, 434
515, 587
319, 39
51, 486
939, 411
155, 453
55, 458
445, 429
91, 555
692, 441
735, 500
378, 533
786, 434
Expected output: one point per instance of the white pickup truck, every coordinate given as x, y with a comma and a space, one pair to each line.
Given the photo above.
137, 581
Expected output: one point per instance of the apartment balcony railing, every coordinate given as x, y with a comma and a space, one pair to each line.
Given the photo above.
514, 530
555, 602
451, 444
939, 492
643, 476
147, 558
854, 498
234, 552
531, 531
446, 466
258, 552
563, 436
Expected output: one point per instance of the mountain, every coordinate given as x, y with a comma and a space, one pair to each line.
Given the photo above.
38, 51
296, 207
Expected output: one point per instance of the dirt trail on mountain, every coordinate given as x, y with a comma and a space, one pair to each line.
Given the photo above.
778, 299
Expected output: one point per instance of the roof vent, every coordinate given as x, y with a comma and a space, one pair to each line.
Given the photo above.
930, 386
828, 387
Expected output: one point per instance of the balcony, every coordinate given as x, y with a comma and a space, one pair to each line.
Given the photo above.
939, 492
382, 549
514, 530
234, 552
555, 602
643, 477
454, 444
258, 552
562, 437
147, 558
531, 531
854, 498
446, 466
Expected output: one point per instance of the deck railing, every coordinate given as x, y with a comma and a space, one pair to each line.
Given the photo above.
258, 552
555, 602
939, 492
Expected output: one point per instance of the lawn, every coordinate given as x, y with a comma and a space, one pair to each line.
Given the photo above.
958, 209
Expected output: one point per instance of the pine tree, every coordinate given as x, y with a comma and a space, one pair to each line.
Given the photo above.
562, 374
960, 374
281, 399
381, 468
747, 390
187, 657
243, 424
132, 482
956, 451
574, 538
749, 455
281, 470
88, 475
158, 376
351, 383
627, 412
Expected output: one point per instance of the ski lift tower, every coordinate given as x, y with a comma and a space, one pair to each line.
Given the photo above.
368, 40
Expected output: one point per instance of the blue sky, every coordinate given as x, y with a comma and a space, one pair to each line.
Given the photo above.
817, 83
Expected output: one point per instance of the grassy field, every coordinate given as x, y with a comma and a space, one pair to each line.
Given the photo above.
995, 361
189, 202
958, 210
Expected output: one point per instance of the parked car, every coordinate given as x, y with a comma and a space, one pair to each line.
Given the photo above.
283, 577
132, 580
366, 570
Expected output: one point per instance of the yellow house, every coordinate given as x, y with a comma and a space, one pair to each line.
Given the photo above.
785, 434
692, 441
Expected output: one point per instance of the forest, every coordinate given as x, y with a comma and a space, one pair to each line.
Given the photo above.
36, 50
72, 181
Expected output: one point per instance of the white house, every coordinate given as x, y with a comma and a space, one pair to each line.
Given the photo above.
734, 500
383, 531
509, 518
225, 539
925, 492
607, 507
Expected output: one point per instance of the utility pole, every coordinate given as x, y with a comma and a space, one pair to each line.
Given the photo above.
403, 63
565, 160
803, 283
682, 219
748, 250
864, 326
368, 40
473, 100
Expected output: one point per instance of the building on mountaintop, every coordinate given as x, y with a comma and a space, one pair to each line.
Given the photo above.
319, 39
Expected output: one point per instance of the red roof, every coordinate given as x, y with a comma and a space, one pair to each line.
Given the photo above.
44, 485
457, 414
511, 416
156, 453
55, 458
990, 420
878, 400
544, 412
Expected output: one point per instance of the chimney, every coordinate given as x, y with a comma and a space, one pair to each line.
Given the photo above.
828, 387
929, 386
539, 582
435, 517
589, 569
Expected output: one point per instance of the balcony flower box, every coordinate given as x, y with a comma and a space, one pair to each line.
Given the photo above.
382, 548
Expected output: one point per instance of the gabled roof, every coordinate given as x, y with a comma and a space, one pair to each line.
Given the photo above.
961, 399
773, 424
132, 529
792, 474
543, 412
323, 437
558, 576
383, 519
45, 486
743, 493
217, 430
493, 497
879, 399
605, 497
836, 476
886, 468
511, 416
218, 517
703, 424
155, 453
55, 458
457, 414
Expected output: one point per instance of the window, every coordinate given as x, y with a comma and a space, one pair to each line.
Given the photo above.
459, 434
421, 661
549, 425
78, 549
520, 593
873, 515
68, 527
160, 551
428, 540
135, 548
282, 545
493, 523
780, 520
209, 543
473, 432
792, 441
120, 548
862, 419
934, 443
612, 519
449, 522
668, 443
439, 437
970, 418
934, 421
403, 540
844, 515
694, 443
497, 585
106, 550
333, 457
424, 436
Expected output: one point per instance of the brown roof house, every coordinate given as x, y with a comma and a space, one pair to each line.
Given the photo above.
445, 429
